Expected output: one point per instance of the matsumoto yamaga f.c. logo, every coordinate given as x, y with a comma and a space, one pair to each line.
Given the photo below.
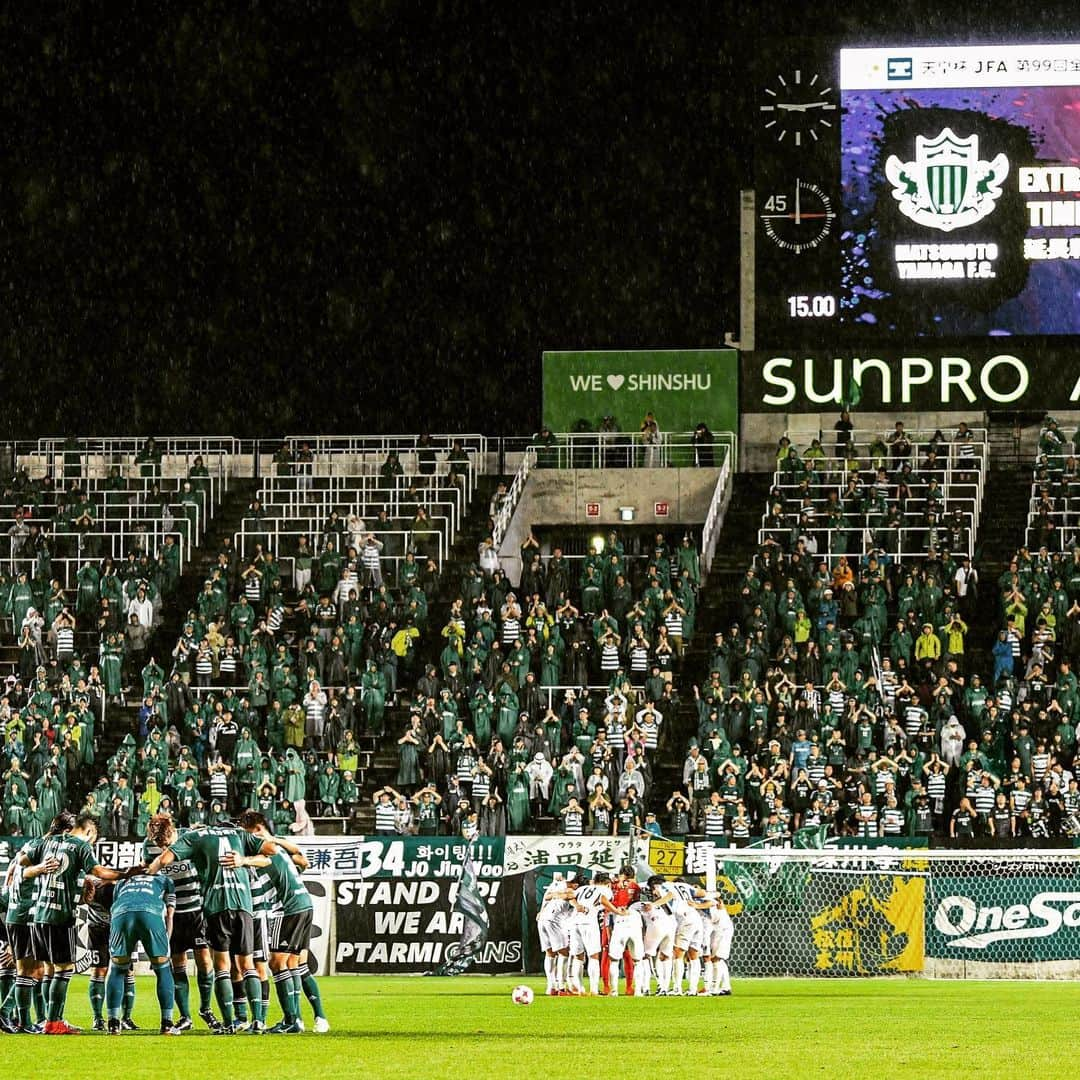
947, 186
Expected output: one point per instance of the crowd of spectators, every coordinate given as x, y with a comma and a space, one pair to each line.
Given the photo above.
841, 695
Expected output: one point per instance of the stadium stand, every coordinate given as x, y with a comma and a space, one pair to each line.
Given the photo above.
334, 632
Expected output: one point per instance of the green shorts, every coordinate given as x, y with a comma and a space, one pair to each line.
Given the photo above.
128, 931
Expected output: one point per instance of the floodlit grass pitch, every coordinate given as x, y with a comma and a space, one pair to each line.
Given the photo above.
468, 1028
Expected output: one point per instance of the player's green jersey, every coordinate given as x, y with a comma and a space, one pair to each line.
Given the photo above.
56, 895
223, 888
263, 894
143, 893
20, 896
291, 891
182, 873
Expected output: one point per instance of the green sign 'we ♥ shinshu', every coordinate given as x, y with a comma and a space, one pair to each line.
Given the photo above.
681, 387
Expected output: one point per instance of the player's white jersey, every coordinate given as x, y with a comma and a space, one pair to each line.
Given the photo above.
590, 897
660, 924
686, 894
555, 907
719, 930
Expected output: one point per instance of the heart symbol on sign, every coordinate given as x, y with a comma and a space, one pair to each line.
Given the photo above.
615, 381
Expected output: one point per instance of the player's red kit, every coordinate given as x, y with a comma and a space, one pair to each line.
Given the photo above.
623, 894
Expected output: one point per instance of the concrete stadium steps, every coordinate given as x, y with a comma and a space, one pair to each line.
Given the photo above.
717, 608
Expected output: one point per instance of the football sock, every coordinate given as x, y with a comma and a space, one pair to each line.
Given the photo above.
240, 1000
224, 994
166, 989
297, 993
253, 990
41, 998
694, 973
283, 984
605, 971
628, 971
24, 998
723, 975
680, 970
58, 990
7, 991
594, 974
96, 990
205, 981
311, 990
265, 999
182, 990
114, 989
129, 993
641, 976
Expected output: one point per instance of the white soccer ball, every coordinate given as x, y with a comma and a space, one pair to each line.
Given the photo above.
521, 995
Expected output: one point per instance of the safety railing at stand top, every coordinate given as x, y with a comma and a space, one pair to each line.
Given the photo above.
608, 450
96, 456
920, 438
360, 455
251, 534
366, 500
718, 504
899, 543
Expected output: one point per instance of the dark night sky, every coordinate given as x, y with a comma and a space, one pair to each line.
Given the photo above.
252, 218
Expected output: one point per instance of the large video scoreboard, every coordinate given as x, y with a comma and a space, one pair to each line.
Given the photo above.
909, 193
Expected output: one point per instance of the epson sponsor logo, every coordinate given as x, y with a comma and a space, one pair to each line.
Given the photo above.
973, 927
1002, 379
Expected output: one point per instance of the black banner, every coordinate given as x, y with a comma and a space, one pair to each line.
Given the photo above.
408, 926
986, 374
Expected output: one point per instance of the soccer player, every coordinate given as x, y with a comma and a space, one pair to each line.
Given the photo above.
292, 929
719, 931
686, 904
552, 924
29, 971
97, 898
219, 853
660, 925
626, 934
265, 911
585, 941
56, 862
142, 913
189, 926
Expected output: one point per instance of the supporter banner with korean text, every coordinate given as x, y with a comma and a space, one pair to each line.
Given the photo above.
682, 387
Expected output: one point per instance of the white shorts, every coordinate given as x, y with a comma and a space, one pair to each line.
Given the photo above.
719, 944
626, 935
554, 934
689, 933
660, 936
585, 938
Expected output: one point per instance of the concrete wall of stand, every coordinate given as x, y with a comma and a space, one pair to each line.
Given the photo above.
561, 496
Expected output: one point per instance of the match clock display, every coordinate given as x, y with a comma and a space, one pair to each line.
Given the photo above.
799, 218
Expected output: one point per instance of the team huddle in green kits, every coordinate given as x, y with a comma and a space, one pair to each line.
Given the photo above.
231, 896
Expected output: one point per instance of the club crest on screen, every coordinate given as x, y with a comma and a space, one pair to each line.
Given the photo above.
947, 186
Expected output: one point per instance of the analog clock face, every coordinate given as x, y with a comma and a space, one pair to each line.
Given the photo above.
798, 108
799, 218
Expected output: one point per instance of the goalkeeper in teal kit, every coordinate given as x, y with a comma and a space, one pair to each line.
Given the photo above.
142, 914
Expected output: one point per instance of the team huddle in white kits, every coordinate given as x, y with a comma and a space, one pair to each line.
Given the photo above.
672, 931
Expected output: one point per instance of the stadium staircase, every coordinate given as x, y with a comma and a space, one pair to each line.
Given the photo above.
1001, 533
384, 759
122, 719
718, 608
